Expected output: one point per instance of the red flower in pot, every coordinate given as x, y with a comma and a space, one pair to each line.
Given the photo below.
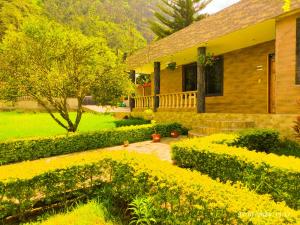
155, 137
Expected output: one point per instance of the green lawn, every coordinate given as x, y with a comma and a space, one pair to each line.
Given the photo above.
15, 125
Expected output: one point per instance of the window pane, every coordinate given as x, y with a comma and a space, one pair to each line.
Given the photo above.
190, 75
214, 78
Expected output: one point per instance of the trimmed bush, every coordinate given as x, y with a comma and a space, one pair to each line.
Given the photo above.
271, 174
179, 196
131, 121
30, 149
263, 140
288, 147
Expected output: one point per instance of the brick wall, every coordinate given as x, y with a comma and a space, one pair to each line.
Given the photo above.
245, 87
287, 92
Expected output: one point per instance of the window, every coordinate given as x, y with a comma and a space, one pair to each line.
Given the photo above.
214, 78
190, 77
213, 81
298, 51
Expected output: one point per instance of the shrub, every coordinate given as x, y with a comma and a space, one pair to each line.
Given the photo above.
288, 147
264, 173
30, 149
179, 196
131, 121
258, 139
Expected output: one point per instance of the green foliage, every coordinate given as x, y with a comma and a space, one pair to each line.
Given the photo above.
143, 211
50, 63
179, 196
143, 79
232, 164
29, 149
258, 139
287, 147
92, 213
107, 19
14, 12
131, 121
176, 15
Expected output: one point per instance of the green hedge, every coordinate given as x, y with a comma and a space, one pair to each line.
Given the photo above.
131, 121
263, 140
179, 196
30, 149
264, 173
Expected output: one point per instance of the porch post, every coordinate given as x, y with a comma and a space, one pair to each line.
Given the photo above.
131, 100
156, 85
201, 81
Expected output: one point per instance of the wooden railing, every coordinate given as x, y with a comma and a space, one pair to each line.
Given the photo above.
169, 101
144, 102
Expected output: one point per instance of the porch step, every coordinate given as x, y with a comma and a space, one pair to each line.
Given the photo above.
220, 126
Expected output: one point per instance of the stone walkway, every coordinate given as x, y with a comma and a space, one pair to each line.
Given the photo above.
162, 149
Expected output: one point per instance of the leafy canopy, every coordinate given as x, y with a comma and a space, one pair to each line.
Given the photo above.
175, 15
51, 62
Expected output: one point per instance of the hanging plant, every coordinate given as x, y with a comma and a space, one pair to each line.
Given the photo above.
208, 60
172, 66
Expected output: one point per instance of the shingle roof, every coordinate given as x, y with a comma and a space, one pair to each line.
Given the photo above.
238, 16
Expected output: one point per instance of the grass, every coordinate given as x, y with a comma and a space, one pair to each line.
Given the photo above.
91, 213
14, 125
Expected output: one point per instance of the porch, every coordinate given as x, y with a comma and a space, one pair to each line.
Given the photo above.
180, 100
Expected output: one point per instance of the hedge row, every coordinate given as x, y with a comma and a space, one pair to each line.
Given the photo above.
179, 196
271, 174
131, 121
30, 149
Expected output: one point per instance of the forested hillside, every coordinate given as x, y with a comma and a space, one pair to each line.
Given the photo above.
123, 23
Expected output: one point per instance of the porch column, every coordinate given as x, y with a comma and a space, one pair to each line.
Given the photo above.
156, 85
201, 81
131, 100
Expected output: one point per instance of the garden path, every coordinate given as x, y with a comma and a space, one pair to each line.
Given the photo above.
162, 149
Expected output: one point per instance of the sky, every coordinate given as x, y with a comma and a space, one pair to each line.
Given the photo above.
217, 5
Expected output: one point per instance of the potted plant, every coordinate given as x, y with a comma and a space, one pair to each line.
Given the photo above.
175, 134
155, 137
126, 143
172, 66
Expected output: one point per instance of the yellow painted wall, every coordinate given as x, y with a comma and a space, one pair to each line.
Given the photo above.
287, 92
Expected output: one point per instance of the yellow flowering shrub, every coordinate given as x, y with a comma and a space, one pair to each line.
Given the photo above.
271, 174
180, 196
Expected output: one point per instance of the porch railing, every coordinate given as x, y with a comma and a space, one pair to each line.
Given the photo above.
144, 102
169, 101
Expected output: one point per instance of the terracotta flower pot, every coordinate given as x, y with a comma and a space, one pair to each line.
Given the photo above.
126, 143
156, 137
174, 134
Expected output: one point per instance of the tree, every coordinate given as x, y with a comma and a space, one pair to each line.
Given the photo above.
50, 63
13, 13
175, 15
108, 19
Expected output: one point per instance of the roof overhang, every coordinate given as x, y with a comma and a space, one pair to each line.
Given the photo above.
253, 35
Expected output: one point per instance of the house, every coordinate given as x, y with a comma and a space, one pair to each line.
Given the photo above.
254, 75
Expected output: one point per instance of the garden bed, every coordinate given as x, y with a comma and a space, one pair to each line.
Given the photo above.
178, 196
264, 173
